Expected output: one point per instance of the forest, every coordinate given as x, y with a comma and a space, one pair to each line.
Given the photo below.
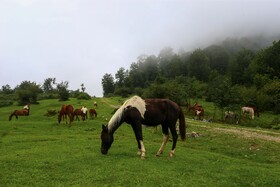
234, 73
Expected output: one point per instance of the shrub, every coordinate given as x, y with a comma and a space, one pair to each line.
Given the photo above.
83, 96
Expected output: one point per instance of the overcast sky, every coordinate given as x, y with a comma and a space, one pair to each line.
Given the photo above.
81, 40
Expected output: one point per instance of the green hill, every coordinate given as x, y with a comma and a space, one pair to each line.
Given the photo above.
37, 151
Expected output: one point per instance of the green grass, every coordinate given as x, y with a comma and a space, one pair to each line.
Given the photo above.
37, 151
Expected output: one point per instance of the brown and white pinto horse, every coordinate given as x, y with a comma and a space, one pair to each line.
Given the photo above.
24, 112
197, 109
66, 110
151, 112
251, 110
79, 112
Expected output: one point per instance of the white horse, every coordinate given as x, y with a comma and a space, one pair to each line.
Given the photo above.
249, 110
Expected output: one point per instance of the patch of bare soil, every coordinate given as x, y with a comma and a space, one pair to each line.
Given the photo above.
251, 134
109, 104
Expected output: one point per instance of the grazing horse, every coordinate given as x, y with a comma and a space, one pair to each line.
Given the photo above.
80, 112
256, 111
95, 104
197, 109
231, 117
151, 112
92, 113
251, 110
66, 110
24, 112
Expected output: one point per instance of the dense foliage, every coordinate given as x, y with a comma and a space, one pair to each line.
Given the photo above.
231, 74
30, 92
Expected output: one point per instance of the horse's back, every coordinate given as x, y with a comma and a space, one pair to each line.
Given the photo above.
160, 110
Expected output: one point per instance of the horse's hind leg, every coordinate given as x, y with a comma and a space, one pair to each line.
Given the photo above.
164, 139
164, 142
175, 138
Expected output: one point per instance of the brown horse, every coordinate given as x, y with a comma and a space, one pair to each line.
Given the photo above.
66, 110
92, 113
24, 112
197, 109
79, 112
150, 112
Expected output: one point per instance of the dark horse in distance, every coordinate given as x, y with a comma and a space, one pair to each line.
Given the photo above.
150, 112
23, 112
66, 110
92, 113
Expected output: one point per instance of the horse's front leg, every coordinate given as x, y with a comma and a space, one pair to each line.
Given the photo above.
137, 128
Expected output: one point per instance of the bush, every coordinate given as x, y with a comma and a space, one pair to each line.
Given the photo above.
83, 96
5, 103
275, 124
6, 99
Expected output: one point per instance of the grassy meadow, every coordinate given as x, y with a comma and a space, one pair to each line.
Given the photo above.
37, 151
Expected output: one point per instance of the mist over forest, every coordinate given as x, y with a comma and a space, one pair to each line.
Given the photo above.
231, 73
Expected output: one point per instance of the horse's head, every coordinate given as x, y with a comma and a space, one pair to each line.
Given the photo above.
107, 139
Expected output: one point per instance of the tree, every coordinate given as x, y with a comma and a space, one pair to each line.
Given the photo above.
170, 89
121, 77
6, 89
83, 88
267, 61
221, 93
27, 92
218, 58
48, 86
63, 92
108, 84
149, 68
136, 78
198, 65
272, 90
239, 68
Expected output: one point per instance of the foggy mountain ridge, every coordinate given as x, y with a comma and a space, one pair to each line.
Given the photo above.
234, 44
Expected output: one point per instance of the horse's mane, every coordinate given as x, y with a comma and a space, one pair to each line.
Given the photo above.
134, 101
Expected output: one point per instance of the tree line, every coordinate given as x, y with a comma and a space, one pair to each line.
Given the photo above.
28, 92
235, 73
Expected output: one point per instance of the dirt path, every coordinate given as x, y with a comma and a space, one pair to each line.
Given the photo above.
250, 134
247, 133
104, 100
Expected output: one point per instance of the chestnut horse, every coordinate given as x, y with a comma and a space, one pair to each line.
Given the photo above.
24, 112
151, 112
66, 110
92, 113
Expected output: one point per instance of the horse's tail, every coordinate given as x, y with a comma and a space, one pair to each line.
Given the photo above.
182, 125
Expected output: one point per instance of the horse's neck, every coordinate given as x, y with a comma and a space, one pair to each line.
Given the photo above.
115, 126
